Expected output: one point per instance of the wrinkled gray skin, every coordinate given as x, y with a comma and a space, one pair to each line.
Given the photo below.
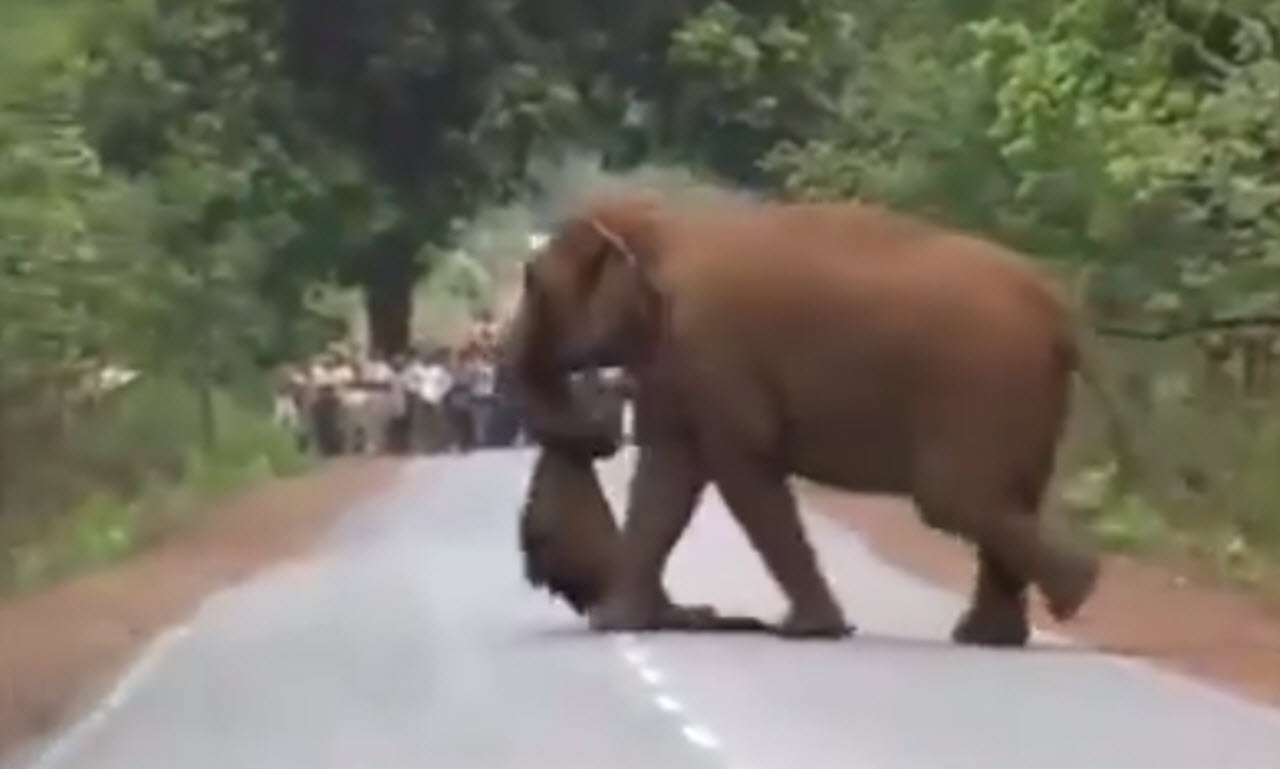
834, 342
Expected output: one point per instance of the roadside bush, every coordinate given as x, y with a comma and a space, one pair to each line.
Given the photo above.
1209, 448
125, 472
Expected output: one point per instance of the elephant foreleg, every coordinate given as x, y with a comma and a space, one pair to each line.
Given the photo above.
664, 491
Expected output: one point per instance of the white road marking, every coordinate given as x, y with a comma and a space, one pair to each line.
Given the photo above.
637, 657
668, 704
651, 675
700, 736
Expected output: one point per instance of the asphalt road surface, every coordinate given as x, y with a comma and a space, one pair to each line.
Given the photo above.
411, 641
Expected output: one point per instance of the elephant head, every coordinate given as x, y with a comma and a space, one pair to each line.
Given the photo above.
588, 301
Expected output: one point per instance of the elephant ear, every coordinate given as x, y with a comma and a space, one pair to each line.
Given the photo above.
628, 231
593, 243
618, 245
626, 242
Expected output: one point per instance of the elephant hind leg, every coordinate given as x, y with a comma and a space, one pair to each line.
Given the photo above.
1001, 518
1065, 574
765, 508
997, 614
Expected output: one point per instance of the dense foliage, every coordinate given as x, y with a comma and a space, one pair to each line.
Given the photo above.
179, 177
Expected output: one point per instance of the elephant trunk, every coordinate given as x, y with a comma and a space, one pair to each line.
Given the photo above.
541, 391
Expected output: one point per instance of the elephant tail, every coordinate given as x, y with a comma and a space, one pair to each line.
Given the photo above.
1119, 434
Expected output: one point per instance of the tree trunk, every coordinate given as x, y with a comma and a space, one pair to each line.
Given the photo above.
389, 277
388, 307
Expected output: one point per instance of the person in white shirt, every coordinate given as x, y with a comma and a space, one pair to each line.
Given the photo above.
436, 381
483, 374
285, 407
379, 372
412, 375
428, 381
458, 404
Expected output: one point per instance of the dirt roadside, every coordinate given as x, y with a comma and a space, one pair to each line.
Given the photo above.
1141, 610
61, 647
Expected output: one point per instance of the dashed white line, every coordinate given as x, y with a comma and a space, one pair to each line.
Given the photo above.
628, 642
637, 657
651, 675
700, 736
668, 704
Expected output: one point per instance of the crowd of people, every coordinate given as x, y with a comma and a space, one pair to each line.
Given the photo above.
437, 398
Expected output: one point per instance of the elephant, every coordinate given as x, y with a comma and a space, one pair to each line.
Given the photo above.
841, 342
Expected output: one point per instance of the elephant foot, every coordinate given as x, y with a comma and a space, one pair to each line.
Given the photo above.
1071, 584
992, 627
815, 624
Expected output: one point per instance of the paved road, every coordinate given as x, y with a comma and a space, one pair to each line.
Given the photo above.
412, 642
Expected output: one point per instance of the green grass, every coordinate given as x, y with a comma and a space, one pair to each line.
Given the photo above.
127, 474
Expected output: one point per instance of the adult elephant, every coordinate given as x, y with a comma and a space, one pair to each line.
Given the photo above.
837, 342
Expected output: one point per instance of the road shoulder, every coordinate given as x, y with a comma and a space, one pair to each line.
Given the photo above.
61, 647
1141, 610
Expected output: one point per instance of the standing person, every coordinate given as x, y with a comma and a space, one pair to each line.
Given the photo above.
342, 369
325, 408
505, 417
484, 334
412, 377
382, 405
482, 397
433, 384
398, 435
285, 409
457, 402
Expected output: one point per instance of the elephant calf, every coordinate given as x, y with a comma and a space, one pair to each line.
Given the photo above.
569, 540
